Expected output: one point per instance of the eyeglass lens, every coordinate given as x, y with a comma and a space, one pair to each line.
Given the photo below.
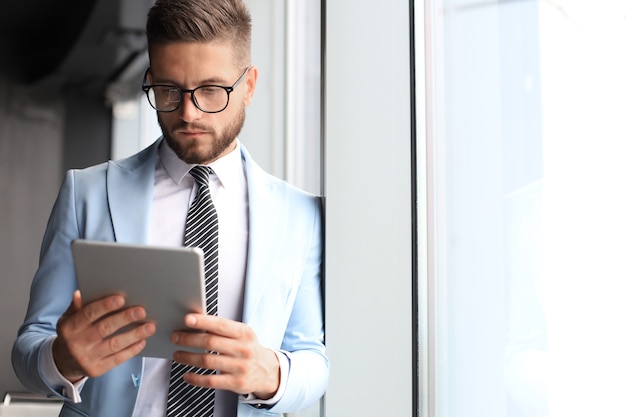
209, 98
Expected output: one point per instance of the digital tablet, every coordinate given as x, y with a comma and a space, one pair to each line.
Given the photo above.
167, 281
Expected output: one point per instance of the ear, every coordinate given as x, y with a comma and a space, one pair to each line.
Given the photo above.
147, 77
250, 83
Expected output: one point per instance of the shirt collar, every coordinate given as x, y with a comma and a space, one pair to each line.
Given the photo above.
225, 168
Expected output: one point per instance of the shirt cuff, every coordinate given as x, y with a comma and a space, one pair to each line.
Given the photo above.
51, 375
251, 399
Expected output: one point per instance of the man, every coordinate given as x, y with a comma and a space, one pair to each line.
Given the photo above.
266, 342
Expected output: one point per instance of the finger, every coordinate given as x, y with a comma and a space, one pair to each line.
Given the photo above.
231, 381
77, 322
216, 325
96, 368
218, 362
126, 354
77, 300
114, 345
216, 381
113, 322
95, 310
209, 342
227, 377
75, 305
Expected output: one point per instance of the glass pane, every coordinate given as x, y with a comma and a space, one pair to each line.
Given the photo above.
528, 223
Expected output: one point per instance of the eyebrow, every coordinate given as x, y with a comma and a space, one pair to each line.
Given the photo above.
207, 81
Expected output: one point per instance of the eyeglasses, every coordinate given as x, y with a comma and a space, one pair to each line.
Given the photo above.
208, 98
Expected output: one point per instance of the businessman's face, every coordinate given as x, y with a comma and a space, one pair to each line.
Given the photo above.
198, 137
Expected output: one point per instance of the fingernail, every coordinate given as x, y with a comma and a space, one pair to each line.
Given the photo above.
149, 328
175, 337
139, 314
116, 302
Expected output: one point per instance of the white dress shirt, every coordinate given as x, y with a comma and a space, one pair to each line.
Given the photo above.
174, 191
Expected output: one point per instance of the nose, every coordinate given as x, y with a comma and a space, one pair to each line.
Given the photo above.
188, 109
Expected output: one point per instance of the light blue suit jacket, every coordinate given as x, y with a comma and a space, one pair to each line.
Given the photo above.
283, 297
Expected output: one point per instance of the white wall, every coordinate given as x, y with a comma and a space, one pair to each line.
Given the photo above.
282, 129
368, 208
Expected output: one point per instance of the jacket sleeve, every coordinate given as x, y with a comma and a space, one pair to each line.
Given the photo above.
51, 290
303, 342
80, 212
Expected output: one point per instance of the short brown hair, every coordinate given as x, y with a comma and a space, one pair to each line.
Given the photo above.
202, 21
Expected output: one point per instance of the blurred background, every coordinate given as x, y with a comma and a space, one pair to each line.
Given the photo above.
470, 153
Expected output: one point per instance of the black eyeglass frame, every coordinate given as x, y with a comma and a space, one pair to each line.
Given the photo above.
146, 89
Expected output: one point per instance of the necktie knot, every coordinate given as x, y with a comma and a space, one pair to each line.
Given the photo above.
201, 173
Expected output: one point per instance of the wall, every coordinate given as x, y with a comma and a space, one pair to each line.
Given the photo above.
31, 155
368, 208
43, 131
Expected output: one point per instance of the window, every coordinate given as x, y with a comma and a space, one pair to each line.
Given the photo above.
524, 153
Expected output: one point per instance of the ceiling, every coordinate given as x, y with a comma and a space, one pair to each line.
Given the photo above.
77, 45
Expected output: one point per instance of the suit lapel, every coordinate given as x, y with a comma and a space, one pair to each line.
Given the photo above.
130, 185
265, 211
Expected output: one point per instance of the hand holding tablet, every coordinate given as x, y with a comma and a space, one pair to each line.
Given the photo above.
167, 281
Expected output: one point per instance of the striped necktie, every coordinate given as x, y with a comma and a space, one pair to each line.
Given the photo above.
200, 231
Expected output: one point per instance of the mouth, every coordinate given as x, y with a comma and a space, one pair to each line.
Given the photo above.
190, 132
192, 129
187, 133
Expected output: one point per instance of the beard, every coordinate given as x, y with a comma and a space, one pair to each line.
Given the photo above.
200, 152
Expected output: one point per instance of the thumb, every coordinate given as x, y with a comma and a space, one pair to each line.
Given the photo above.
77, 301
